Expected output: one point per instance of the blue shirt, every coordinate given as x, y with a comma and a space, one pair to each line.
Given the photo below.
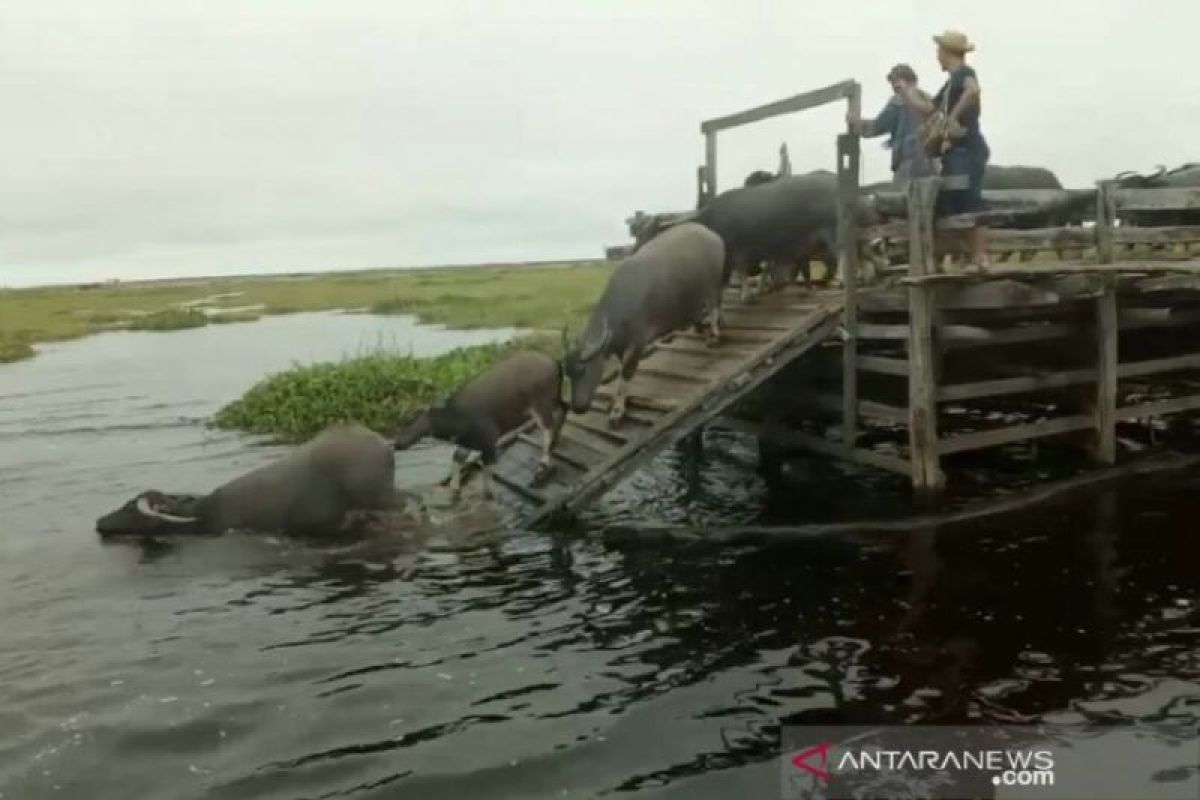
902, 123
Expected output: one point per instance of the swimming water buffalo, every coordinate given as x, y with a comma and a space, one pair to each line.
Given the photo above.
313, 490
500, 400
673, 281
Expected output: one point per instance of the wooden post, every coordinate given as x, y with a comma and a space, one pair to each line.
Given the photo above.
1106, 219
848, 172
703, 195
922, 380
1104, 405
1104, 447
710, 162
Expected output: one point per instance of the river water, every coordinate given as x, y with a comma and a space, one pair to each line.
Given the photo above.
529, 665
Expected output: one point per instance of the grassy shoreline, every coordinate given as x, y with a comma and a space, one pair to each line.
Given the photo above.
378, 389
524, 296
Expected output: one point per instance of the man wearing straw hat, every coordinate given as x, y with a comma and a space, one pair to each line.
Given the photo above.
902, 124
965, 152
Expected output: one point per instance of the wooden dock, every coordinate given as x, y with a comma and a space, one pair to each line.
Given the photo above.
679, 386
1105, 335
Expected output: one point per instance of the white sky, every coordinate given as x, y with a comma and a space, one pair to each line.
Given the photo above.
175, 138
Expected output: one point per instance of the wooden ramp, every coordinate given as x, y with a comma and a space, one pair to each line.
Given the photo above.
679, 386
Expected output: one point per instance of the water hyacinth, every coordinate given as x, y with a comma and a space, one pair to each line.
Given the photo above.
378, 390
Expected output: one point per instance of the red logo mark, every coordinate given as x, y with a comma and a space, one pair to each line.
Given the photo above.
801, 760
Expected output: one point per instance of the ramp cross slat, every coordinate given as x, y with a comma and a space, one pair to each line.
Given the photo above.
665, 410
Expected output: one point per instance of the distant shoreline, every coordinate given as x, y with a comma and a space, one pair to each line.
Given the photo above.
528, 294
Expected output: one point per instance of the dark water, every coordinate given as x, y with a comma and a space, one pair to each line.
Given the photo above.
530, 665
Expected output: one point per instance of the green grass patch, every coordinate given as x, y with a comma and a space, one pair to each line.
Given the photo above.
378, 390
14, 348
171, 319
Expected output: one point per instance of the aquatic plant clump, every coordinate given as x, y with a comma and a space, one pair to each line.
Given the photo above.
377, 390
171, 319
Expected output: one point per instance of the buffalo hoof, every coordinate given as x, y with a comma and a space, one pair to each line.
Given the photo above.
543, 472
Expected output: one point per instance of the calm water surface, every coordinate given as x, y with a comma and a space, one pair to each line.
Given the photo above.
530, 665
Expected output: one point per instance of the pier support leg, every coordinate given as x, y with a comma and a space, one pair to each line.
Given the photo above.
1104, 445
922, 369
922, 393
848, 169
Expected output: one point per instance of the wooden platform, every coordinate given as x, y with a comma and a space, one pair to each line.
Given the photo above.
681, 385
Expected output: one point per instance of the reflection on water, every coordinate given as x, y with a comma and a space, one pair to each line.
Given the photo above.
525, 664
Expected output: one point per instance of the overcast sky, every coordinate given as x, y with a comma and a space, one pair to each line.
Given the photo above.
160, 139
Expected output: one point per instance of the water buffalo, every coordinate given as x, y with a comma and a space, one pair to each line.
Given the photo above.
759, 176
1181, 177
313, 490
500, 400
785, 222
672, 282
1000, 177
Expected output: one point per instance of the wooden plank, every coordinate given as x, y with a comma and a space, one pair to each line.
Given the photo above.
569, 451
1004, 240
871, 408
694, 412
1164, 199
1014, 433
973, 335
1104, 410
1154, 366
604, 442
710, 162
1137, 318
884, 365
1106, 220
634, 414
848, 177
1159, 408
866, 408
517, 487
1016, 202
956, 392
798, 102
650, 367
1167, 283
1131, 234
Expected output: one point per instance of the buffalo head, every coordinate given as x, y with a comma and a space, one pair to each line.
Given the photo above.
152, 513
583, 366
415, 428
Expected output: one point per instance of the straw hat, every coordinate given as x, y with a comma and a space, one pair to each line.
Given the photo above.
955, 42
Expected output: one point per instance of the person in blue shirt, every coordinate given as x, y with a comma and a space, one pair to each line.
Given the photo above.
966, 154
902, 124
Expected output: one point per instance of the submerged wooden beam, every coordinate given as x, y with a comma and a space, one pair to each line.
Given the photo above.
1014, 433
825, 447
983, 510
